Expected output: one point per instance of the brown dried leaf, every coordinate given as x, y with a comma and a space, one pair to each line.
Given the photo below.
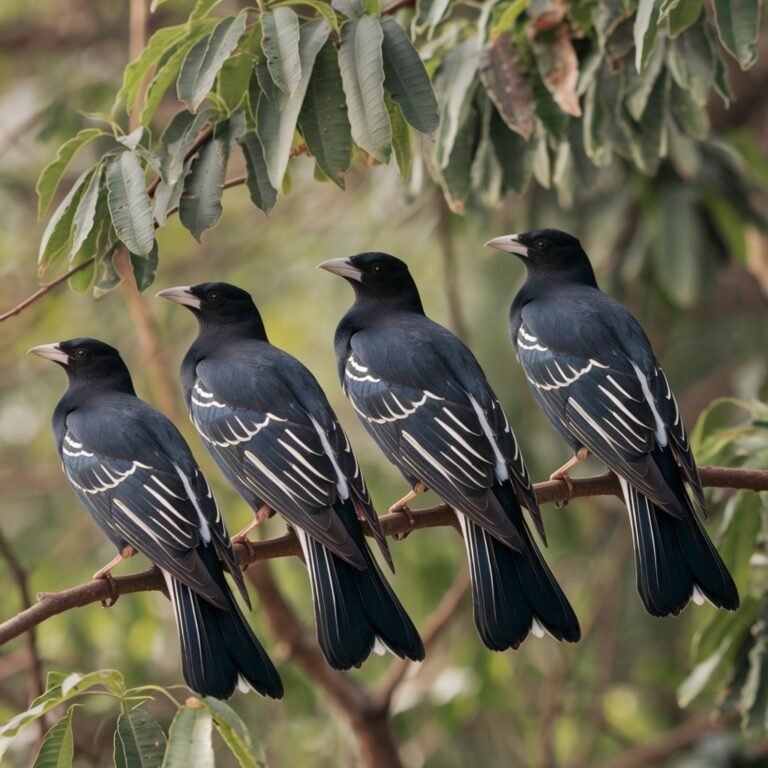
503, 77
559, 68
546, 15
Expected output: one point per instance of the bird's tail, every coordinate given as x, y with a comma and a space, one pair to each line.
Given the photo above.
218, 648
514, 593
354, 608
675, 559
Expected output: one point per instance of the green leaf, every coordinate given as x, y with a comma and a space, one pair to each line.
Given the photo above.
110, 278
455, 86
323, 119
700, 676
234, 77
139, 740
362, 73
200, 205
280, 42
486, 175
507, 20
51, 175
158, 46
644, 31
429, 13
754, 694
738, 25
82, 222
263, 194
640, 86
58, 748
692, 117
401, 138
406, 79
235, 734
202, 9
503, 75
455, 176
59, 689
206, 57
680, 14
129, 204
691, 62
276, 127
144, 269
190, 738
515, 155
56, 235
323, 8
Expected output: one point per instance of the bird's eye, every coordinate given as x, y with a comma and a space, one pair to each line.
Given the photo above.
377, 268
214, 297
80, 352
540, 244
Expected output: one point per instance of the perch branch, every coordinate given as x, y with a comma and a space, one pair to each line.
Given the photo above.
53, 603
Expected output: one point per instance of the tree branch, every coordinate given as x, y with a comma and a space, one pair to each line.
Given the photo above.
53, 603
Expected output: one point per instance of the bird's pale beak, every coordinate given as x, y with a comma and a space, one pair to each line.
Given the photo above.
509, 244
181, 294
50, 352
344, 268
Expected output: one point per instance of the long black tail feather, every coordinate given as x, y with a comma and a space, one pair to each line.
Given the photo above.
514, 593
219, 650
675, 558
355, 607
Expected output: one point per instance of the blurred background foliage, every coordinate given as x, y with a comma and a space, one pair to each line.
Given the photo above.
675, 229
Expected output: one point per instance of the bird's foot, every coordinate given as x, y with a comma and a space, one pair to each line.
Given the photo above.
562, 475
108, 602
106, 573
263, 514
401, 508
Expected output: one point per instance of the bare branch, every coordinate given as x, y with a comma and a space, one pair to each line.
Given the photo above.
53, 603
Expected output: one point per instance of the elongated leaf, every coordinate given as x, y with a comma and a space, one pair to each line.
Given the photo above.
401, 138
280, 41
59, 689
200, 204
323, 119
640, 86
514, 154
680, 15
144, 269
139, 740
701, 674
158, 46
362, 73
235, 733
406, 79
232, 83
754, 694
58, 748
455, 88
202, 9
129, 203
57, 233
204, 60
691, 63
559, 68
455, 176
82, 222
502, 74
263, 194
428, 14
323, 8
100, 239
737, 25
645, 29
50, 178
189, 738
277, 127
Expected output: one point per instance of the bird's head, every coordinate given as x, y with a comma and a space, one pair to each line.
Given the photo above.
377, 276
549, 251
87, 360
216, 304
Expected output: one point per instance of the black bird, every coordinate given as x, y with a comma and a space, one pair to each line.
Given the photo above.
424, 399
132, 470
267, 423
591, 368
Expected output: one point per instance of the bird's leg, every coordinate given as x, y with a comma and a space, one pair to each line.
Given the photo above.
562, 473
400, 507
262, 514
106, 573
126, 552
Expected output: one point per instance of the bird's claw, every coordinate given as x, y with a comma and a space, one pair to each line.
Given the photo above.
565, 478
402, 509
108, 602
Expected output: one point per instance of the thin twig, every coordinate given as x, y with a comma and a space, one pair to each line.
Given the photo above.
248, 552
34, 666
439, 620
44, 288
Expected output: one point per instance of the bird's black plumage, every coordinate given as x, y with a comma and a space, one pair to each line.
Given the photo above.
424, 399
132, 470
591, 368
270, 428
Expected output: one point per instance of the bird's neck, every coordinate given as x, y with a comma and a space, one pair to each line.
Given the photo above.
248, 328
79, 387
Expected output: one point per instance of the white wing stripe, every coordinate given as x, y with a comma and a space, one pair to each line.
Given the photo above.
615, 400
661, 430
501, 465
341, 481
205, 530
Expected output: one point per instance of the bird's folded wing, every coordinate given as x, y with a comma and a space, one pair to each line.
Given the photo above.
157, 511
602, 403
280, 458
435, 438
